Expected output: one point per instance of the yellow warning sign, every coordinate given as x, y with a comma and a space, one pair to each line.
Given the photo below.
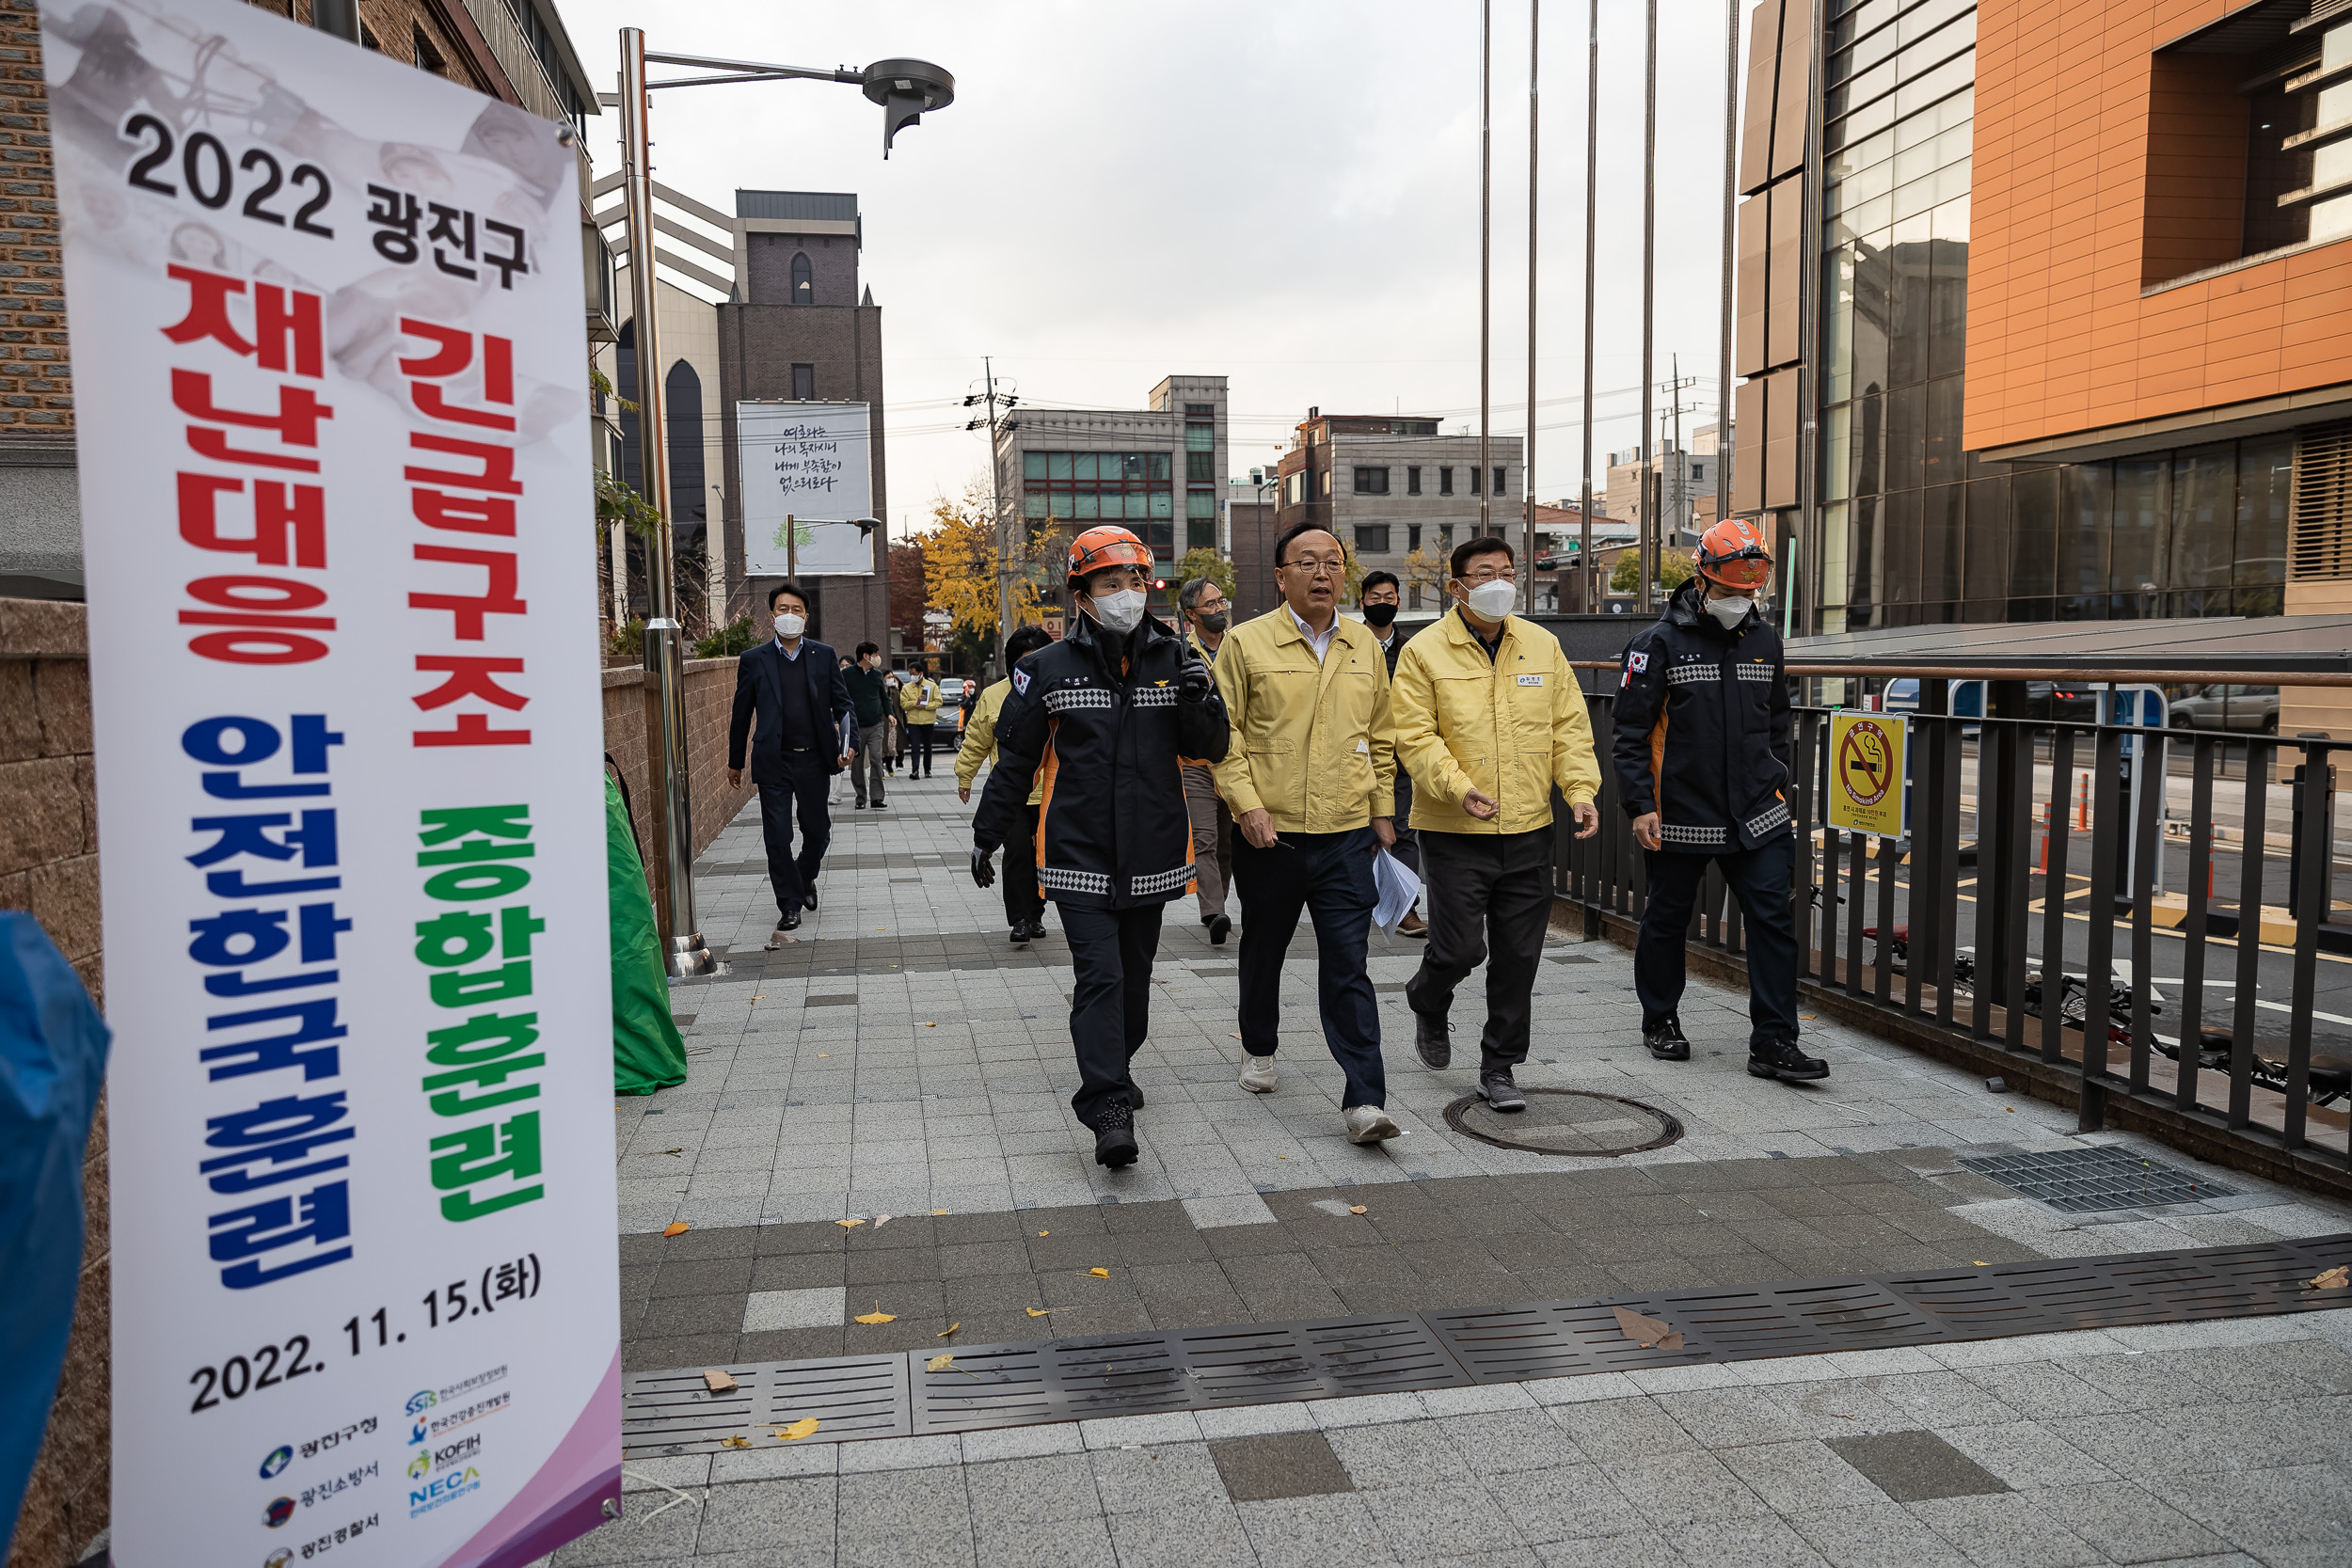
1865, 770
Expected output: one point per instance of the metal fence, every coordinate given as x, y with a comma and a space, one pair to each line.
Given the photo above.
2098, 912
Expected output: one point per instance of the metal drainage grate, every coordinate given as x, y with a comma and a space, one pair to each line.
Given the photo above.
1024, 1384
1566, 1121
2088, 1181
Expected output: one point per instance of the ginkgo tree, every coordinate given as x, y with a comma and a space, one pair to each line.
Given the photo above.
960, 566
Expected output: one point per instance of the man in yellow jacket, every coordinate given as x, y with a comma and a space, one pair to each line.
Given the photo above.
1309, 778
921, 701
1024, 903
1490, 719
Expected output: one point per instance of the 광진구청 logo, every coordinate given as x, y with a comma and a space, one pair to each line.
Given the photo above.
278, 1459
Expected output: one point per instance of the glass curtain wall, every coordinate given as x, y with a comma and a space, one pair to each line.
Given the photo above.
1915, 529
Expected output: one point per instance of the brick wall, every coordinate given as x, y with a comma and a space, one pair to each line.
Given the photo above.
709, 703
36, 386
49, 865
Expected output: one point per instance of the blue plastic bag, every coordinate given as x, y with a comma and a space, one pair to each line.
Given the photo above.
52, 1059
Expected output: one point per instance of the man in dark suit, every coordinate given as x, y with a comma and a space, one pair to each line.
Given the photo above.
806, 734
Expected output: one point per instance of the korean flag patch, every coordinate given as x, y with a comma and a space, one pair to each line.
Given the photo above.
1637, 661
1021, 683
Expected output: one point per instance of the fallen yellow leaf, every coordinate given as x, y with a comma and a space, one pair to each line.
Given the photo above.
927, 1024
1979, 1262
1232, 1037
824, 1055
1355, 1208
939, 1211
1045, 1233
797, 1431
848, 1225
1040, 1311
878, 1316
1100, 1273
940, 1363
719, 1382
2336, 1278
737, 1441
675, 1227
944, 1332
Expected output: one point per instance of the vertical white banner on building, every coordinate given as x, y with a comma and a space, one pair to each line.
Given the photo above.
325, 313
811, 463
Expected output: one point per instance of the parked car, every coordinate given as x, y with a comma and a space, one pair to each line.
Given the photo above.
2228, 707
951, 690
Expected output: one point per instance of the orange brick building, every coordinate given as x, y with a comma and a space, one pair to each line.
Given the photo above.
2083, 346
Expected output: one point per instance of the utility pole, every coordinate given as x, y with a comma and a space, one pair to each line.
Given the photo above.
1484, 481
1527, 456
1004, 529
1647, 545
1674, 450
1592, 207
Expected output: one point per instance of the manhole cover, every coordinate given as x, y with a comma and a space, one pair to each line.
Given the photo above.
2087, 1181
1566, 1121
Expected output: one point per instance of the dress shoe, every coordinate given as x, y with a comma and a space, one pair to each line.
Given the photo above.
791, 921
1020, 933
1782, 1059
1412, 925
1258, 1075
1430, 1039
1496, 1090
808, 899
1369, 1124
1666, 1041
1220, 925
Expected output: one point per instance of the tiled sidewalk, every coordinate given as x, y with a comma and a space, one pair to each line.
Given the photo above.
903, 1058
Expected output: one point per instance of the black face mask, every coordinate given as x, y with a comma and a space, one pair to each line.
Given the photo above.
1380, 614
1214, 622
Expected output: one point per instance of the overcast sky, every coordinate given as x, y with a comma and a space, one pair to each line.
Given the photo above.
1281, 192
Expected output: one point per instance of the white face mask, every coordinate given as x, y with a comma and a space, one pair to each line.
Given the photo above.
1494, 600
1121, 612
791, 626
1730, 612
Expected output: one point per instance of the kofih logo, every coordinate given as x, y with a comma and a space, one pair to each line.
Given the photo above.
442, 1489
460, 1452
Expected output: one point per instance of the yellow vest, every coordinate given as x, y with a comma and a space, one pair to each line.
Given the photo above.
1295, 720
1514, 726
980, 741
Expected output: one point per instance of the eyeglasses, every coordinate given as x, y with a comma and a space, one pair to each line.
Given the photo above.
1472, 579
1316, 566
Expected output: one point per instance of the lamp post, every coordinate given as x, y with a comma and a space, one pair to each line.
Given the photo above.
904, 89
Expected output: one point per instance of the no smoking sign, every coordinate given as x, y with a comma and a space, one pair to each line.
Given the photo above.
1866, 758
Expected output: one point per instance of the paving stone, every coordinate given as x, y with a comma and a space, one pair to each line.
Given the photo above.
822, 1306
1673, 1488
1421, 1523
1312, 1531
1876, 1534
1129, 1480
2125, 1522
1279, 1464
1193, 1536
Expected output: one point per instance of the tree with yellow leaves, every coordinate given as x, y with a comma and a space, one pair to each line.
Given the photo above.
1423, 568
960, 566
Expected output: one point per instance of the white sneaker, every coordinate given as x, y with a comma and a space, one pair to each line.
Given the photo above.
1258, 1075
1370, 1124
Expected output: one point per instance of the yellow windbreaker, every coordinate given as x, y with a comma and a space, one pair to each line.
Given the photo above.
980, 741
1295, 720
921, 700
1514, 727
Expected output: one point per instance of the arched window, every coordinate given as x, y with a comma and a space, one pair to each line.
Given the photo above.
804, 281
688, 500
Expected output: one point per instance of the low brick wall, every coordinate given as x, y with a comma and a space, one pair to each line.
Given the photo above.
709, 703
49, 867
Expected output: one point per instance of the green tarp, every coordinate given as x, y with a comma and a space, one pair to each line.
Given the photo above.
647, 1052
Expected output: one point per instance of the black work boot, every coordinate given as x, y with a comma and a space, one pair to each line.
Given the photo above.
1430, 1039
1782, 1059
1134, 1094
1115, 1138
1666, 1042
1497, 1090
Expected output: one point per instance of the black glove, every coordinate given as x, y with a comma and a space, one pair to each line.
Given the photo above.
983, 868
1196, 683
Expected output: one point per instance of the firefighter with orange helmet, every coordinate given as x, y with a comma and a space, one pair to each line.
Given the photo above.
1097, 720
1703, 770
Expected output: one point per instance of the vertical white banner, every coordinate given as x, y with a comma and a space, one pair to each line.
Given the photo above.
811, 463
326, 325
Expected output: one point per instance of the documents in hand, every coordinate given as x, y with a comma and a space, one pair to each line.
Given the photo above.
1396, 887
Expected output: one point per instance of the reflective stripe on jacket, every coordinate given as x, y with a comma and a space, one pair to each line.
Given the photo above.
1295, 720
1702, 729
1514, 726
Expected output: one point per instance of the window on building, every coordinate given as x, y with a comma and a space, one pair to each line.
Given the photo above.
1372, 482
1412, 480
1200, 411
1200, 467
1698, 473
1412, 536
1499, 484
804, 383
1412, 596
1326, 482
1200, 520
1133, 488
1473, 473
1445, 482
803, 280
428, 57
1371, 538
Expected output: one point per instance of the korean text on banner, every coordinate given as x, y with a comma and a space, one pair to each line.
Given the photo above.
334, 469
810, 462
1867, 755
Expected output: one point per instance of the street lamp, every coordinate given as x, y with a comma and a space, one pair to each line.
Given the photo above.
904, 89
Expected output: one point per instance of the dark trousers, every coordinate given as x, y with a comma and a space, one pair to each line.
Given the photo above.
804, 787
1489, 900
865, 765
1759, 880
1110, 998
919, 748
1023, 902
1329, 876
1407, 846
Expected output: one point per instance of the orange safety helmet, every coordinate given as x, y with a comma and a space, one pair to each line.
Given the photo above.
1100, 547
1732, 553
